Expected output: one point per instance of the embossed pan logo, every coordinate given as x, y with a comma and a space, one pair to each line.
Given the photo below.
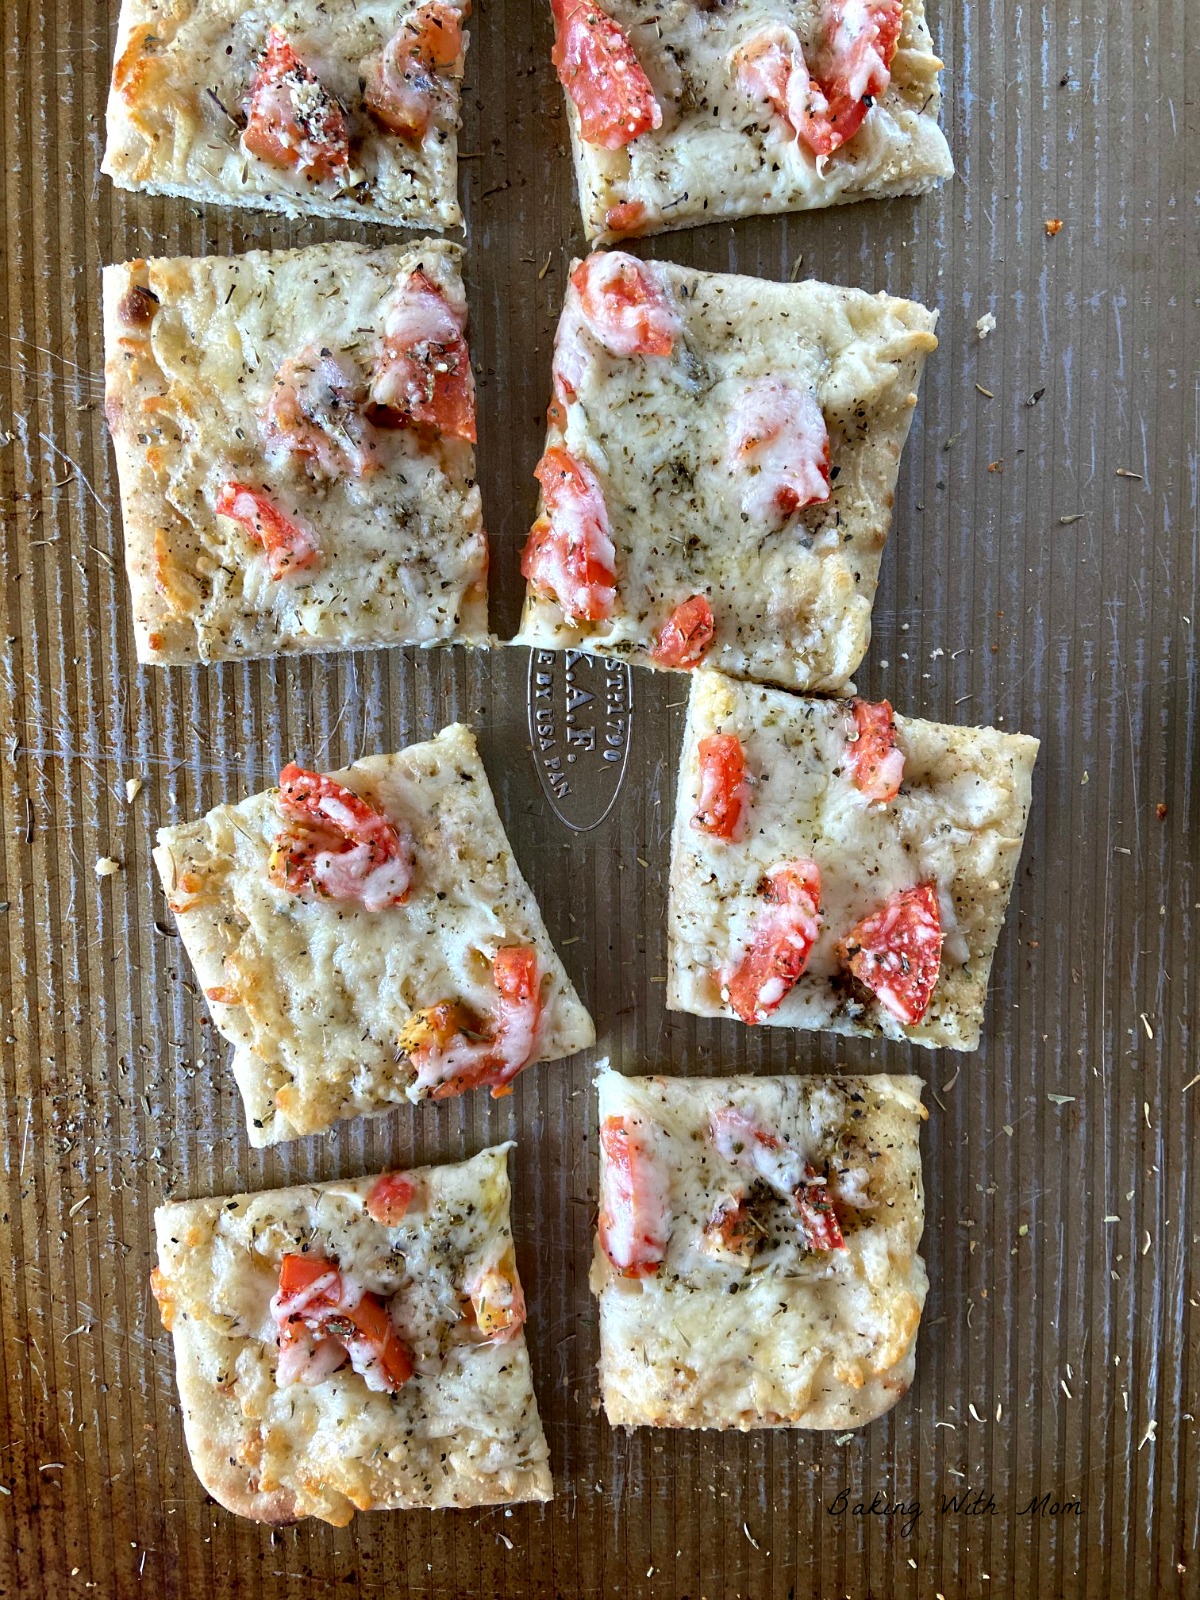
580, 710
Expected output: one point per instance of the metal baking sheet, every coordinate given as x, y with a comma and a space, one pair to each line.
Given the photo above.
1042, 575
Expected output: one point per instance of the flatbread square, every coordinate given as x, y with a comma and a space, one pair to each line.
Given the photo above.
942, 850
725, 446
302, 107
720, 108
354, 1346
756, 1258
341, 1000
260, 376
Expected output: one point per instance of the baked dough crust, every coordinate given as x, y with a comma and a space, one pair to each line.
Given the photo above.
463, 1431
181, 69
720, 154
792, 605
191, 352
314, 993
796, 1338
958, 821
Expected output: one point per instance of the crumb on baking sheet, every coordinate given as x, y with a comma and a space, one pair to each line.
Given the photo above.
1053, 225
985, 324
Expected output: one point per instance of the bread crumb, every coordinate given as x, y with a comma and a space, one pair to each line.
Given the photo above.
1053, 225
106, 866
133, 788
985, 324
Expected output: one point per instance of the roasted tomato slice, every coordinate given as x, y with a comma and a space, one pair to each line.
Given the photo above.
309, 1281
599, 70
408, 86
423, 375
785, 931
453, 1051
742, 1140
389, 1198
384, 1349
292, 119
569, 555
686, 635
779, 449
853, 66
315, 413
896, 952
624, 305
289, 547
876, 765
824, 96
338, 845
635, 1213
723, 794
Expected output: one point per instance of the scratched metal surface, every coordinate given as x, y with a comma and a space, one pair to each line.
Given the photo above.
1058, 1353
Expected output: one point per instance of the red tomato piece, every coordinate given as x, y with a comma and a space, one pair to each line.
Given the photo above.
445, 1046
299, 1274
722, 785
315, 412
686, 635
779, 448
289, 548
338, 845
731, 1230
569, 555
373, 1326
626, 219
742, 1140
784, 933
389, 1198
853, 66
423, 375
816, 1215
599, 70
635, 1217
293, 120
624, 305
770, 66
896, 952
405, 88
826, 96
876, 765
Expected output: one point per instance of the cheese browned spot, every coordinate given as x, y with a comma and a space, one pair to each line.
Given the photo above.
769, 1307
322, 1439
956, 825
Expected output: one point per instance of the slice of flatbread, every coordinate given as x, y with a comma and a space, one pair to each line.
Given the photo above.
329, 1002
258, 371
954, 830
285, 1419
183, 108
721, 148
661, 407
756, 1261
